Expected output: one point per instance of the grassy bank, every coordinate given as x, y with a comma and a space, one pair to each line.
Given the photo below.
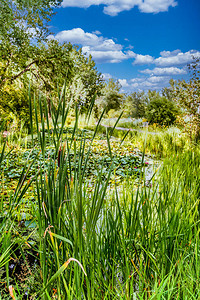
161, 142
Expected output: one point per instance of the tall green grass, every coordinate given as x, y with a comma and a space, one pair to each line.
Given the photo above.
129, 242
8, 208
161, 143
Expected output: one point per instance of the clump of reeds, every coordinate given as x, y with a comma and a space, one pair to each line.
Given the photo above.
135, 243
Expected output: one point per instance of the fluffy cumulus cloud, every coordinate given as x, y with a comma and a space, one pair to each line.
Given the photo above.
97, 32
124, 83
168, 62
79, 36
164, 71
156, 6
114, 7
176, 58
145, 83
158, 79
103, 50
105, 56
143, 59
106, 50
106, 76
151, 82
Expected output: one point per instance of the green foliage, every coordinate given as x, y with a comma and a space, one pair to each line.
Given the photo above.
153, 94
49, 66
167, 92
24, 55
14, 107
31, 15
22, 24
161, 111
187, 96
86, 83
140, 239
136, 105
113, 101
111, 97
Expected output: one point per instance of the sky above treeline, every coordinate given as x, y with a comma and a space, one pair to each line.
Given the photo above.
142, 43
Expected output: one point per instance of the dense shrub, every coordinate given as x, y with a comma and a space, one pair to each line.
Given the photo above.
187, 97
14, 107
161, 111
136, 105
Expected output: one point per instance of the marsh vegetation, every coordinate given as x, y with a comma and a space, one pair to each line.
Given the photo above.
80, 221
88, 209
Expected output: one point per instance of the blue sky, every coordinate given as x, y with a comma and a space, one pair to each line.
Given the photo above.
143, 43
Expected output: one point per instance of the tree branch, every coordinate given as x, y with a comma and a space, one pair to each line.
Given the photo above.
27, 68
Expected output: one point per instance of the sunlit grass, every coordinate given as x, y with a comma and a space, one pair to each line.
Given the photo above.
133, 241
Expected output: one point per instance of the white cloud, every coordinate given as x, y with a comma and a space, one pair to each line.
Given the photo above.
165, 71
82, 3
149, 82
130, 47
145, 83
167, 62
135, 85
97, 32
107, 76
137, 79
143, 59
79, 36
124, 83
157, 79
156, 6
175, 58
105, 56
130, 54
103, 50
170, 53
106, 50
114, 7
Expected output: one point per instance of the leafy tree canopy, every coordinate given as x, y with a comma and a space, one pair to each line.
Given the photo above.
187, 96
23, 24
25, 52
136, 104
161, 111
20, 20
111, 97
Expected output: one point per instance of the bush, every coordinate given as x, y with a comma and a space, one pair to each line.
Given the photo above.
161, 111
14, 107
187, 97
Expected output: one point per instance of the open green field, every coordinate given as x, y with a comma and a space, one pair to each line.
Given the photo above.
98, 214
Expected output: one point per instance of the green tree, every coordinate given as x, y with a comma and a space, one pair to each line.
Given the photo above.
87, 82
187, 96
136, 104
152, 95
53, 65
25, 52
161, 111
111, 97
14, 107
23, 23
167, 92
